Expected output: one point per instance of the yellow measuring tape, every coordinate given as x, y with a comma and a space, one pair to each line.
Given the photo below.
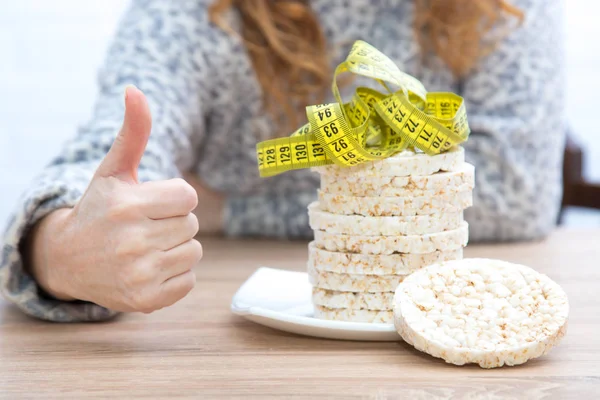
373, 125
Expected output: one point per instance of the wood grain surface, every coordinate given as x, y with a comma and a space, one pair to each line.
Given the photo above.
198, 349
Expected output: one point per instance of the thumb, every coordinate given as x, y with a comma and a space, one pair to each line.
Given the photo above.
126, 152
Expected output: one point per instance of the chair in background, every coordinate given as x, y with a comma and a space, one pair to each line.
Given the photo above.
576, 190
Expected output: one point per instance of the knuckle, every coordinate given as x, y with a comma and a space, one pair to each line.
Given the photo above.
196, 251
126, 249
144, 274
189, 283
132, 246
186, 194
136, 287
122, 209
117, 211
194, 223
136, 278
162, 260
179, 182
144, 303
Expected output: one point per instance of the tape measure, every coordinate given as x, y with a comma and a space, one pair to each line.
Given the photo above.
373, 125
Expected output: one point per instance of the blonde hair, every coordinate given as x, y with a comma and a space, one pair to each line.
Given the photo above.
289, 54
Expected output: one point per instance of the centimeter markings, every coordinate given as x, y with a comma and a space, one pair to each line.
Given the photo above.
333, 131
283, 154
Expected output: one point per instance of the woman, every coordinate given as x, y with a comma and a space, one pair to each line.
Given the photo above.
102, 233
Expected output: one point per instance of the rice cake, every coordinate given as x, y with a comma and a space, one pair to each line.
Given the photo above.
350, 315
460, 180
481, 311
352, 282
418, 244
375, 264
355, 300
386, 225
395, 206
405, 163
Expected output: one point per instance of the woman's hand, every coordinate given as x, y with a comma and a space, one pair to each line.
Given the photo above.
125, 246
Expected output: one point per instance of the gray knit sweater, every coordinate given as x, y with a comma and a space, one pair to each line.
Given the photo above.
192, 72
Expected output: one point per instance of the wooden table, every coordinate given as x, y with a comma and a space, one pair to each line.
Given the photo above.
197, 348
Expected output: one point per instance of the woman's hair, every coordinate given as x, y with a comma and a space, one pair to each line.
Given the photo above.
289, 52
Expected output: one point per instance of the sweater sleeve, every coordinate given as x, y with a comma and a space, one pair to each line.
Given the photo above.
515, 105
161, 61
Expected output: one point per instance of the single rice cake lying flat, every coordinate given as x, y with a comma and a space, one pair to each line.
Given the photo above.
395, 206
482, 311
406, 163
354, 300
418, 244
387, 226
376, 264
353, 283
460, 180
351, 315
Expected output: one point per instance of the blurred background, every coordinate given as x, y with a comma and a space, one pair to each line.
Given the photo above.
50, 51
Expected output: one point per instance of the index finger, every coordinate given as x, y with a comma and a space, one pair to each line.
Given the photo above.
166, 199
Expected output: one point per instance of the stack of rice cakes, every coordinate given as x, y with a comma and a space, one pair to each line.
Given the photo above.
376, 223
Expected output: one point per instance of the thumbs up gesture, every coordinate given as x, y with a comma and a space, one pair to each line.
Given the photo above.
127, 246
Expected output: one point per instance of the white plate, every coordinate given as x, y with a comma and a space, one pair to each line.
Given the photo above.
282, 300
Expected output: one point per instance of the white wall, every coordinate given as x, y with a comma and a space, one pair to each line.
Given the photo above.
49, 52
583, 79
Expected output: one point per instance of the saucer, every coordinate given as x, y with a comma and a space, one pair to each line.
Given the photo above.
281, 300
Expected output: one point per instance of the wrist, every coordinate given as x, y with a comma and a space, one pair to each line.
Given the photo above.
43, 256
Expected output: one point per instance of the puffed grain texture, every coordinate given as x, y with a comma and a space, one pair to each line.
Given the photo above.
417, 244
354, 300
488, 312
375, 264
350, 315
439, 183
353, 283
395, 206
382, 226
